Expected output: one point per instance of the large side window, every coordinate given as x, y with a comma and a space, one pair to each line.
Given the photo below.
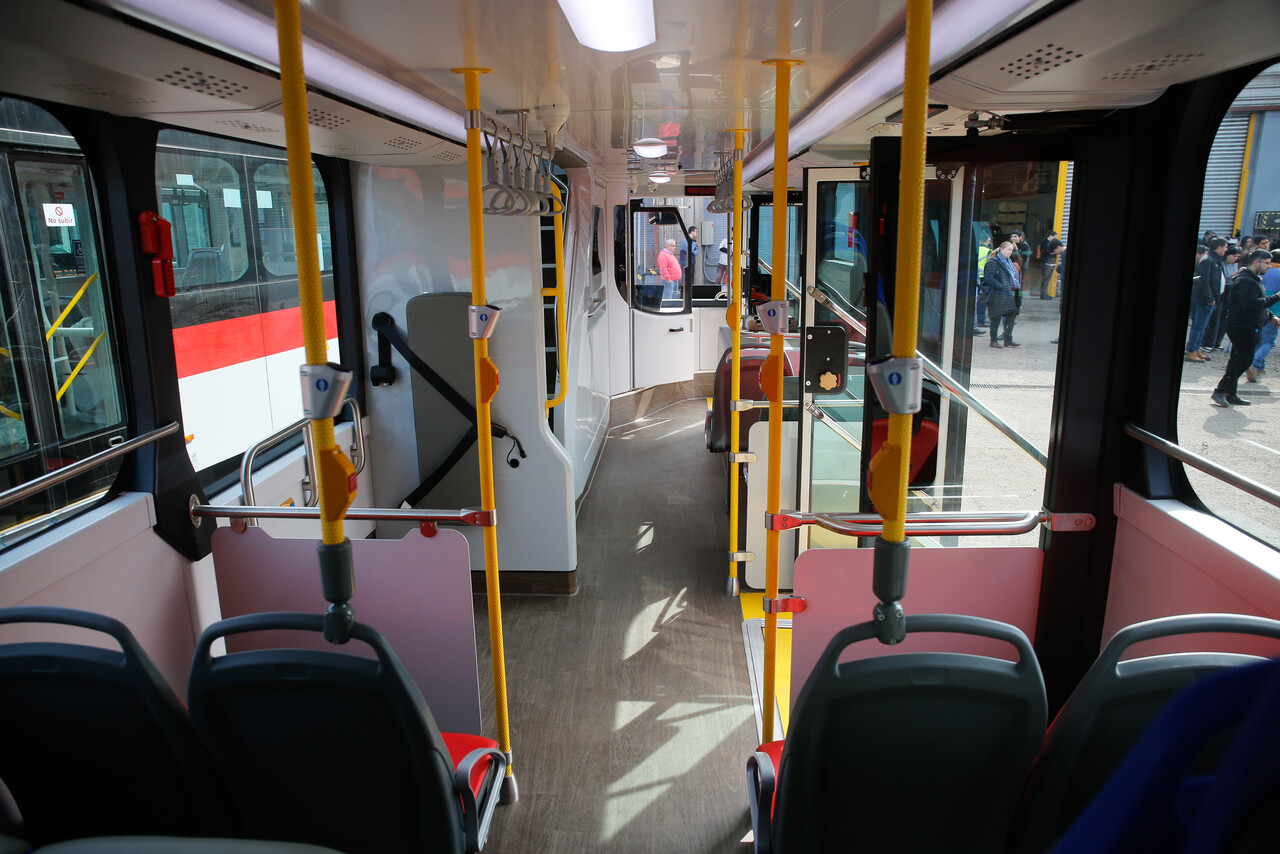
1240, 216
61, 394
236, 316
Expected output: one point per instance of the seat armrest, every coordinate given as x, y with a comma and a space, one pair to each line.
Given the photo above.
477, 817
761, 780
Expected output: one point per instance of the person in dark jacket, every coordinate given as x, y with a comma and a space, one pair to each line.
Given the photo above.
1245, 317
1001, 280
1212, 271
1202, 302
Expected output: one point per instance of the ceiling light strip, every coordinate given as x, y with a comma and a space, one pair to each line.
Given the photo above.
957, 27
252, 36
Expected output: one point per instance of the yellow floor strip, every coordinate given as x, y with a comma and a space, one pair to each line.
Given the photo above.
752, 609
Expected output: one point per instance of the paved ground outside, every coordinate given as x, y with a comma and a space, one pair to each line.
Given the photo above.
1018, 385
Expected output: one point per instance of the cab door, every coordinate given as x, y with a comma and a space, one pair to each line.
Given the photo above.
662, 330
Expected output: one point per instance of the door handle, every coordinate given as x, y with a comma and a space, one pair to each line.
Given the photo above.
675, 329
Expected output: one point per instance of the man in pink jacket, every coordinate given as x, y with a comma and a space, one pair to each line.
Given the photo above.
669, 270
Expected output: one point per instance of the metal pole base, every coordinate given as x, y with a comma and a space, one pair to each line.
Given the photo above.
732, 587
510, 791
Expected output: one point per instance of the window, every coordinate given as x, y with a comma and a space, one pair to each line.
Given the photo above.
1242, 205
61, 395
237, 327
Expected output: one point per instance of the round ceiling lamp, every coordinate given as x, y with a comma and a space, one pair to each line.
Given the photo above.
659, 177
649, 147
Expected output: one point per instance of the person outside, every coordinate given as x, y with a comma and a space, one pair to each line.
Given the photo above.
1050, 254
669, 269
690, 261
1267, 336
1217, 328
980, 307
1248, 313
1202, 302
1002, 282
1212, 272
722, 265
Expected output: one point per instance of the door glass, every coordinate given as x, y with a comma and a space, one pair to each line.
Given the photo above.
658, 239
70, 296
986, 406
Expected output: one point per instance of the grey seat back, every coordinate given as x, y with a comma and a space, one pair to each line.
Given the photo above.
1107, 714
910, 752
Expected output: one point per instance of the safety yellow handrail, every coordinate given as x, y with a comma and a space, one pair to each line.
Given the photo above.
84, 360
486, 385
562, 346
733, 314
53, 327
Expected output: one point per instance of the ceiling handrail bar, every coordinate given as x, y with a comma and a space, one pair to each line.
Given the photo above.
1226, 475
53, 478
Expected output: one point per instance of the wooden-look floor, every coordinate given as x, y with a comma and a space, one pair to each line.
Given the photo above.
631, 718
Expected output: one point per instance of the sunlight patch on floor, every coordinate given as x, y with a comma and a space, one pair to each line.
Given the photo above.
642, 786
650, 622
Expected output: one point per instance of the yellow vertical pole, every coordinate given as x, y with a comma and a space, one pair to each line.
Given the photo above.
733, 317
486, 386
1059, 209
771, 371
335, 480
889, 467
1244, 175
562, 346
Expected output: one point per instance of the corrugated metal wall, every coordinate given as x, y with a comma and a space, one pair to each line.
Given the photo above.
1222, 176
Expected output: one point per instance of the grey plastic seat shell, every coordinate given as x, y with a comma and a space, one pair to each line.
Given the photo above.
333, 749
1107, 714
946, 737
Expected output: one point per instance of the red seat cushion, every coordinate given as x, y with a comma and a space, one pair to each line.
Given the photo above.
460, 744
773, 750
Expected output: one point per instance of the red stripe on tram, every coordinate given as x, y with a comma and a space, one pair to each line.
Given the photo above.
210, 346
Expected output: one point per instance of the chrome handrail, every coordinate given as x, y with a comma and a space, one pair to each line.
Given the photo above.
17, 493
246, 462
1226, 475
943, 524
949, 383
478, 518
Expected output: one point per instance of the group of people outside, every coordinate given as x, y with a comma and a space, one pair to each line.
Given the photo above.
1234, 293
1002, 278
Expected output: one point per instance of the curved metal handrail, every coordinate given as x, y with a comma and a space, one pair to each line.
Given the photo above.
1226, 475
478, 518
246, 462
31, 487
942, 524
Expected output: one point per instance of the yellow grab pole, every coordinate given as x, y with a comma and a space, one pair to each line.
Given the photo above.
771, 371
562, 346
733, 317
486, 386
335, 475
889, 469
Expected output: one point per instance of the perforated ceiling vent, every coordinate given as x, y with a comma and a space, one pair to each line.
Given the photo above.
328, 121
105, 94
198, 81
1142, 69
245, 126
447, 155
1040, 60
404, 143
